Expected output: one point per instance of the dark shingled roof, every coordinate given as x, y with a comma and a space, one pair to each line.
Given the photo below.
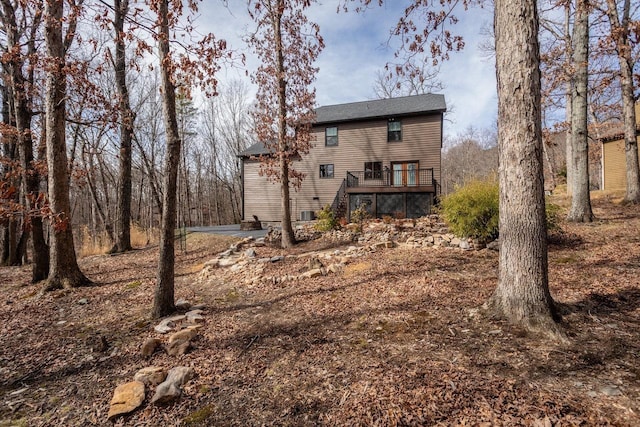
379, 108
256, 150
368, 110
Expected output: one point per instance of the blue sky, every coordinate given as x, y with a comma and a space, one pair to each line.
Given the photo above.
356, 49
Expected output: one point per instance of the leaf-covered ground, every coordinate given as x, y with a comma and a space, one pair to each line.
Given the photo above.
393, 339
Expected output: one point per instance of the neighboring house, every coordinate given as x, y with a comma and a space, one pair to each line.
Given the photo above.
382, 154
614, 164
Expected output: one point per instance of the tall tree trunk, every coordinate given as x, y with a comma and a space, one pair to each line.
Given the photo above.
580, 198
522, 295
163, 302
40, 269
288, 236
97, 205
64, 270
620, 33
9, 250
23, 116
568, 99
123, 217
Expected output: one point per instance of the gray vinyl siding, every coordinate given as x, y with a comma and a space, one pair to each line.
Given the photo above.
358, 142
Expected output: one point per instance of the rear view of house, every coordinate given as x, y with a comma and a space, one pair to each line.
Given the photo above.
383, 155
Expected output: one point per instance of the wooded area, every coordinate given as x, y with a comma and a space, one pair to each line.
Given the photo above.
115, 125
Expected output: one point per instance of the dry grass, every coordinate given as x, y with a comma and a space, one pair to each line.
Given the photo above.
93, 243
100, 243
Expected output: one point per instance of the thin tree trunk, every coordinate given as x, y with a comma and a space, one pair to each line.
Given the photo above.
580, 198
64, 270
23, 116
568, 99
163, 302
620, 33
522, 295
96, 202
123, 223
288, 236
150, 165
552, 172
9, 253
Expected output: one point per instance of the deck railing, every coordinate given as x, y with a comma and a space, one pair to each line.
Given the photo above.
391, 178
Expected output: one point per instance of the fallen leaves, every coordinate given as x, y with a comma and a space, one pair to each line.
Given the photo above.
393, 339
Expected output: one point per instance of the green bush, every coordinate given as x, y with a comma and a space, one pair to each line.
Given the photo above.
472, 210
553, 216
326, 219
359, 216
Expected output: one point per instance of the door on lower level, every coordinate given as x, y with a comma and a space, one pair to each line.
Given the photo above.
405, 174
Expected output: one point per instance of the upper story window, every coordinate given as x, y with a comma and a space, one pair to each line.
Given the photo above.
373, 170
331, 136
394, 131
326, 171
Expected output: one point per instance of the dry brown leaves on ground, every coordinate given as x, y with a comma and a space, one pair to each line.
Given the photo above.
392, 339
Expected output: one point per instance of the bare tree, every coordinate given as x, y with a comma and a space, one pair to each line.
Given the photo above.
22, 79
64, 270
522, 295
163, 301
580, 198
127, 117
288, 44
176, 67
621, 33
469, 155
390, 84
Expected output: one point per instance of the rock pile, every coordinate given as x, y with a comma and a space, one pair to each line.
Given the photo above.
184, 327
242, 260
426, 231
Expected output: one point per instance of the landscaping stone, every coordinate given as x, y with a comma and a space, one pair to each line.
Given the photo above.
126, 398
180, 342
194, 316
151, 375
183, 305
168, 324
316, 272
171, 388
227, 262
494, 246
149, 347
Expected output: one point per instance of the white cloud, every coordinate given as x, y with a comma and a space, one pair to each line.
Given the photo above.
356, 48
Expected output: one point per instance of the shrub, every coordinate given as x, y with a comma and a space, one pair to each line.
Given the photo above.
472, 210
553, 216
359, 216
326, 219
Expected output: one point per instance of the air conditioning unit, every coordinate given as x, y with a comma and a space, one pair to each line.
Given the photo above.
307, 215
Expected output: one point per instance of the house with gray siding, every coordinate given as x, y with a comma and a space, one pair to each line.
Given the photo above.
382, 154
